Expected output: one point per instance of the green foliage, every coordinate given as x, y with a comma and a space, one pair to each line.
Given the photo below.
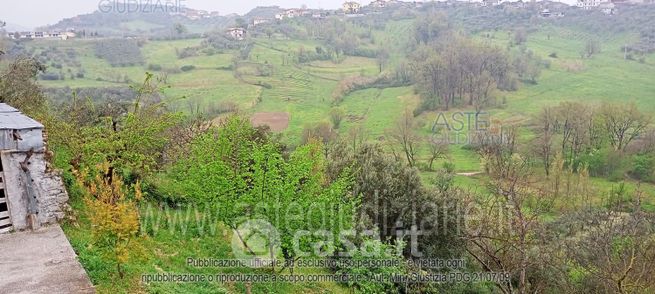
131, 140
393, 192
19, 89
336, 116
431, 28
238, 170
375, 279
154, 67
119, 52
188, 68
643, 167
322, 131
458, 72
604, 163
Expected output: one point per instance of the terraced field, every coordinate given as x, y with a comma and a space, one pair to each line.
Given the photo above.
305, 90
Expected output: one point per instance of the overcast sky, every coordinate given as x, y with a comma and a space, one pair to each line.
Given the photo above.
33, 13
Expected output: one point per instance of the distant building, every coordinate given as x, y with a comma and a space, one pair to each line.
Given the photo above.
380, 3
258, 21
608, 8
545, 13
351, 7
320, 14
236, 33
280, 16
485, 3
518, 4
41, 35
291, 13
588, 4
193, 14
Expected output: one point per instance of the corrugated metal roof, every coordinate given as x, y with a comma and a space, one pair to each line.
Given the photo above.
12, 119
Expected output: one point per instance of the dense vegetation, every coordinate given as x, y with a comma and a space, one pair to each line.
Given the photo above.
119, 52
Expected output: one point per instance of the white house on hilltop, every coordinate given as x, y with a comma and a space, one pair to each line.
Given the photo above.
237, 33
351, 7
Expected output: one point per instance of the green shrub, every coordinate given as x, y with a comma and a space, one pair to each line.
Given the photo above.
154, 67
643, 167
372, 250
188, 68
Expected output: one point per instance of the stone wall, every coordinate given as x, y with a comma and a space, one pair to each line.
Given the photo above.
48, 187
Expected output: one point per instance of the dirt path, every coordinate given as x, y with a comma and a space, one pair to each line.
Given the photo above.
40, 262
469, 174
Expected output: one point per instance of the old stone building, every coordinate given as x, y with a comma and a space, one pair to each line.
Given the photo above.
30, 194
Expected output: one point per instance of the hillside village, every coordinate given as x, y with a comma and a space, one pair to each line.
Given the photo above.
355, 9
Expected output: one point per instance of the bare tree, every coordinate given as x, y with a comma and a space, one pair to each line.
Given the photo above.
438, 150
543, 143
573, 121
623, 123
591, 48
336, 116
382, 58
356, 136
520, 36
403, 135
503, 234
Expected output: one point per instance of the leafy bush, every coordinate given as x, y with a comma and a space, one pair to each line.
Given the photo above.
643, 167
369, 252
112, 210
154, 67
252, 179
336, 116
304, 56
188, 68
264, 85
49, 76
604, 163
187, 52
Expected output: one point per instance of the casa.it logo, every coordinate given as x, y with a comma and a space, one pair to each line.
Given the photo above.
256, 243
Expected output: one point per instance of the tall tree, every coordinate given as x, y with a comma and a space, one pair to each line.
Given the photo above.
382, 58
503, 236
543, 143
623, 123
403, 134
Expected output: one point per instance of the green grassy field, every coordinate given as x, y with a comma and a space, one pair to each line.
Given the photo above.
606, 76
304, 91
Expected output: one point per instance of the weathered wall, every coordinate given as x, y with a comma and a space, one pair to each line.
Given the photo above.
29, 139
49, 189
